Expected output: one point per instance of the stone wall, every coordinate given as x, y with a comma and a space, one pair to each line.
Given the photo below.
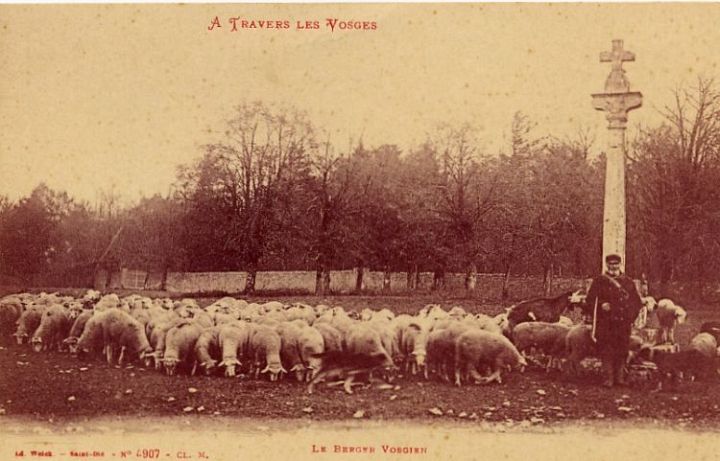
489, 286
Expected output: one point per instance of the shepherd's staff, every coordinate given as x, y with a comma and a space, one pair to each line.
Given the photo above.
592, 335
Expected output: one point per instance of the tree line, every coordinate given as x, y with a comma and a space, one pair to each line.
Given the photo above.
276, 193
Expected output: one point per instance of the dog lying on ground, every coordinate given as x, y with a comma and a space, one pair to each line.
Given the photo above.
344, 366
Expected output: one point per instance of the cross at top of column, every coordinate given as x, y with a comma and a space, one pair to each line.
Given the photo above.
616, 81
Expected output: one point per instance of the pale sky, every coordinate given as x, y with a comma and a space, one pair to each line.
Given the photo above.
96, 95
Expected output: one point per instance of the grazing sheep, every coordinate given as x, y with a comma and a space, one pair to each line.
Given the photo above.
77, 329
156, 338
208, 352
365, 339
289, 351
311, 346
546, 337
233, 339
54, 327
11, 309
28, 322
477, 347
413, 348
123, 331
441, 349
265, 348
705, 343
332, 338
180, 347
91, 341
669, 315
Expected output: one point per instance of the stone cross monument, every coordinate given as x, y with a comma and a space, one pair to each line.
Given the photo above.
616, 101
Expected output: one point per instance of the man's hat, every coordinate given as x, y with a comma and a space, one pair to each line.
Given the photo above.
613, 259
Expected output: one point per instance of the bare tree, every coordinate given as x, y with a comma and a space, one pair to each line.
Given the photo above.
673, 178
465, 195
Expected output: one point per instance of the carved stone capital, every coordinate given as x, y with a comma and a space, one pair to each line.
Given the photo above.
617, 106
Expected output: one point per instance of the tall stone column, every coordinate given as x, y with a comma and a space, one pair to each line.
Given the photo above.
616, 101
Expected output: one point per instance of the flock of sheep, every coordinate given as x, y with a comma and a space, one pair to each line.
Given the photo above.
272, 339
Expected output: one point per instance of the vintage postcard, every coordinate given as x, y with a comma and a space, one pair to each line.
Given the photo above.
359, 231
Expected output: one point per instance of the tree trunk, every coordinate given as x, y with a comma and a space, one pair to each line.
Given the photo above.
413, 280
359, 279
386, 280
471, 278
322, 280
506, 283
163, 280
548, 279
319, 285
326, 281
438, 279
250, 279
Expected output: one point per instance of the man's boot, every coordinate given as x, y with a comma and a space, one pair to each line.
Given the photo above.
608, 373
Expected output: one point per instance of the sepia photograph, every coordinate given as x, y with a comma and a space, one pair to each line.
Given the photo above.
359, 231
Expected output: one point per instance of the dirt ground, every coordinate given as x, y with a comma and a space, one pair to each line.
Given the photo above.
57, 388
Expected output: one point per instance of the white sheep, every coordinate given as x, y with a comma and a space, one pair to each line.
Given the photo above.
311, 345
124, 332
413, 347
476, 347
11, 309
54, 327
705, 343
332, 338
265, 349
365, 339
669, 315
28, 322
289, 353
546, 337
208, 352
156, 337
579, 344
648, 306
441, 349
77, 329
180, 346
233, 339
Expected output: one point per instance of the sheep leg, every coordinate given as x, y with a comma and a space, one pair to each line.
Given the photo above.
122, 355
109, 352
457, 377
495, 376
348, 384
476, 376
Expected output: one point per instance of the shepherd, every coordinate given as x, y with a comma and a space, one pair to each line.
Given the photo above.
616, 304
